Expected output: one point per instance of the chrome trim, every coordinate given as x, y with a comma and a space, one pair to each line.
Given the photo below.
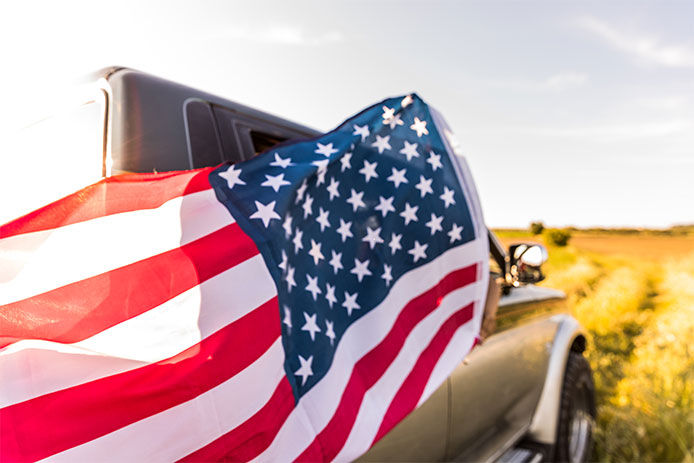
107, 163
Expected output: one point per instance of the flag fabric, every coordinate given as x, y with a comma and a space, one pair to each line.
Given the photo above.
294, 306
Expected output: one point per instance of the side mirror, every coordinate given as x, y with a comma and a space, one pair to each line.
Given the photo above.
526, 262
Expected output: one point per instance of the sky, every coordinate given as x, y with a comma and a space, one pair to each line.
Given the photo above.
572, 113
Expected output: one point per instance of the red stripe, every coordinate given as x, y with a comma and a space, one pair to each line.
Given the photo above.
61, 420
411, 390
79, 310
113, 195
371, 366
251, 438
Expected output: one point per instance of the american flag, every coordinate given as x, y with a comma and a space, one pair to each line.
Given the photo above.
294, 306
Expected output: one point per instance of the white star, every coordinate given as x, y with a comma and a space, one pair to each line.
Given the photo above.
397, 177
424, 186
300, 192
385, 205
373, 237
265, 212
311, 326
369, 170
393, 121
395, 243
231, 175
287, 225
361, 269
336, 261
344, 229
325, 150
362, 130
435, 223
312, 286
356, 200
275, 182
410, 150
418, 251
332, 189
305, 370
330, 294
315, 252
406, 101
297, 241
381, 143
344, 160
323, 219
308, 202
287, 320
447, 197
455, 233
283, 163
410, 213
435, 160
329, 331
388, 113
285, 260
420, 127
290, 279
387, 275
350, 303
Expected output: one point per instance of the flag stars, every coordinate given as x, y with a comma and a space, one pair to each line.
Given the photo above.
395, 243
435, 223
305, 370
406, 101
283, 163
424, 186
308, 203
361, 269
323, 219
382, 143
265, 212
388, 113
330, 331
350, 303
356, 200
325, 150
435, 161
447, 197
297, 241
300, 192
410, 213
345, 162
312, 286
418, 251
393, 121
387, 274
344, 229
410, 150
232, 176
311, 326
420, 127
455, 233
275, 182
336, 261
321, 171
287, 225
373, 237
369, 170
287, 320
289, 278
285, 261
361, 130
330, 294
332, 189
397, 177
385, 205
315, 252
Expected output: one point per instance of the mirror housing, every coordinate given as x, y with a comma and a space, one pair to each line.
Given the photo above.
526, 262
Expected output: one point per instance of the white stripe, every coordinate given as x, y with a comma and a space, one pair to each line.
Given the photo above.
180, 430
34, 263
379, 397
32, 368
318, 405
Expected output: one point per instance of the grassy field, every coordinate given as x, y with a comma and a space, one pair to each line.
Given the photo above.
635, 296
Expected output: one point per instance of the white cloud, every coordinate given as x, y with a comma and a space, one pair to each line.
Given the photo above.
278, 34
556, 82
646, 48
612, 133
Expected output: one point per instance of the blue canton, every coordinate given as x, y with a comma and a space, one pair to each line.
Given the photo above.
340, 218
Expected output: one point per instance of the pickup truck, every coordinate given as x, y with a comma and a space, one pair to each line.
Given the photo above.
524, 394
